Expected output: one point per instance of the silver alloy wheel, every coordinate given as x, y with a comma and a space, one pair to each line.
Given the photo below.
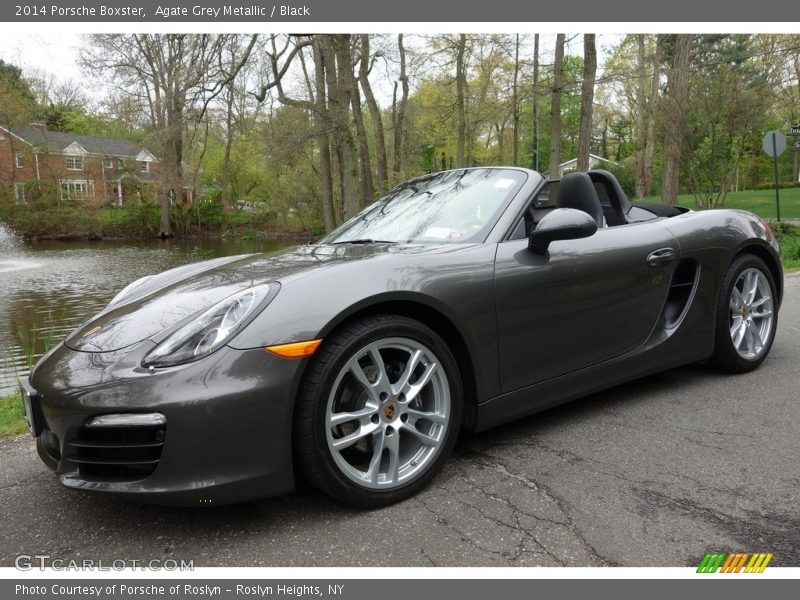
388, 413
751, 315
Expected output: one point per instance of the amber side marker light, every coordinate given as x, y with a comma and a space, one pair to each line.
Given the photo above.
295, 350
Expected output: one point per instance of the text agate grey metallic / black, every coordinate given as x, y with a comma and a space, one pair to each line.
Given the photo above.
461, 299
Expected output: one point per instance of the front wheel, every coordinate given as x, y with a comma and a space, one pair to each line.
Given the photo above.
378, 412
746, 316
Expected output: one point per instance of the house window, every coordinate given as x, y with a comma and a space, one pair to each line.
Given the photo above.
77, 189
19, 159
144, 166
74, 162
19, 193
108, 163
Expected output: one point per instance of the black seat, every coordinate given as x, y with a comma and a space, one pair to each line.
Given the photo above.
576, 190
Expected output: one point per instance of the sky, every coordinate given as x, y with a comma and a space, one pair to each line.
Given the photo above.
55, 53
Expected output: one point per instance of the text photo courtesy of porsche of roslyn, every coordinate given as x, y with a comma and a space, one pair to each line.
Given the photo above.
403, 299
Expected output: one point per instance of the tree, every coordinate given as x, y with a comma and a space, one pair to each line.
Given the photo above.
365, 160
176, 75
232, 92
645, 181
399, 122
339, 103
675, 107
17, 102
461, 93
364, 69
321, 120
515, 104
535, 90
587, 100
728, 108
555, 107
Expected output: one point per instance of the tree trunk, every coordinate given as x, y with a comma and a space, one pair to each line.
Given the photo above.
375, 115
461, 90
399, 114
365, 161
650, 146
536, 102
226, 159
555, 108
515, 112
321, 127
500, 130
172, 163
641, 109
677, 97
346, 144
587, 100
335, 118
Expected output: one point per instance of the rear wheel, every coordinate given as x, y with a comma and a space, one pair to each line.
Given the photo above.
378, 412
746, 315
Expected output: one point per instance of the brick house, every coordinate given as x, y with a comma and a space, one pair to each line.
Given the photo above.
92, 169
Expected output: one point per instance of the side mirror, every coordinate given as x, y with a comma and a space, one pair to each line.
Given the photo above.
560, 224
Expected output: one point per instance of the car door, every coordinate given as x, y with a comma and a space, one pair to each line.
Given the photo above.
584, 302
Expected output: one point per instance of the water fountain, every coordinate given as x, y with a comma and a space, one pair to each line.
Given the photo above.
9, 240
11, 247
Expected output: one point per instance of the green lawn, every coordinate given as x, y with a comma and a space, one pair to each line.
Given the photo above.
790, 252
12, 419
761, 202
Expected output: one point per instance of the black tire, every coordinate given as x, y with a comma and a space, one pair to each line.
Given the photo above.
312, 454
725, 357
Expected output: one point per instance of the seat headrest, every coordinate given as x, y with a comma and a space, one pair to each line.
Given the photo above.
616, 195
576, 190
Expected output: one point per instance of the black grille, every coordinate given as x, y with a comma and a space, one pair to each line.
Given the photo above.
119, 453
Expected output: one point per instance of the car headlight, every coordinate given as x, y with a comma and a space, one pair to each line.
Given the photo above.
212, 329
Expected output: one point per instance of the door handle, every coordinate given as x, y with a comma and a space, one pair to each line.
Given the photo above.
661, 257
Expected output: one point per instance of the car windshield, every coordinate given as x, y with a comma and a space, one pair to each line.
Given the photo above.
454, 206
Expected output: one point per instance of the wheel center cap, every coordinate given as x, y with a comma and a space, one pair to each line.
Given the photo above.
389, 411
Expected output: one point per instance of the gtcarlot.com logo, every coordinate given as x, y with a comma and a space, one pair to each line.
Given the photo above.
734, 562
28, 562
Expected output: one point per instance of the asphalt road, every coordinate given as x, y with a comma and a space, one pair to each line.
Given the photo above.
652, 473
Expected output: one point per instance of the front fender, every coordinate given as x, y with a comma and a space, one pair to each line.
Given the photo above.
456, 282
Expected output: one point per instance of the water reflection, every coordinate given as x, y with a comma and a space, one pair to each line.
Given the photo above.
47, 289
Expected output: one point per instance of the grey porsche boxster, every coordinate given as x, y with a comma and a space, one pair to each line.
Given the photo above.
461, 299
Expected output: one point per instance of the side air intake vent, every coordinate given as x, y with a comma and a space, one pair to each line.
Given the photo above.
684, 281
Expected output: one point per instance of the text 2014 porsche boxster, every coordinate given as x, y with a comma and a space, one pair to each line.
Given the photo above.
461, 299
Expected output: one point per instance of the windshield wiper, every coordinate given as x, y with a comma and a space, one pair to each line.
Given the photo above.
365, 241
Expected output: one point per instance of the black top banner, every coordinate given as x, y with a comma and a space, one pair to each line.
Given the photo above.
467, 11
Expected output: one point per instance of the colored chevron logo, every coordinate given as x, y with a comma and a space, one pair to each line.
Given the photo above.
734, 562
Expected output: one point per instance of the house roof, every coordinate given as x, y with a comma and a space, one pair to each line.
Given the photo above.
56, 141
120, 174
600, 158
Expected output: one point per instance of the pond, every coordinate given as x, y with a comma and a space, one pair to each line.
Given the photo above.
48, 288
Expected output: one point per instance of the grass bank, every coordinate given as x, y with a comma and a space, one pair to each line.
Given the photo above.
789, 237
142, 221
12, 418
760, 202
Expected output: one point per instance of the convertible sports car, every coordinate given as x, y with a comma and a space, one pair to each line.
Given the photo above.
462, 299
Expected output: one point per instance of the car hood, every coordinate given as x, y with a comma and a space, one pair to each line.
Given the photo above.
154, 304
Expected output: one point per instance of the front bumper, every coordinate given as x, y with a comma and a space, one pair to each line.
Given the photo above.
225, 435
